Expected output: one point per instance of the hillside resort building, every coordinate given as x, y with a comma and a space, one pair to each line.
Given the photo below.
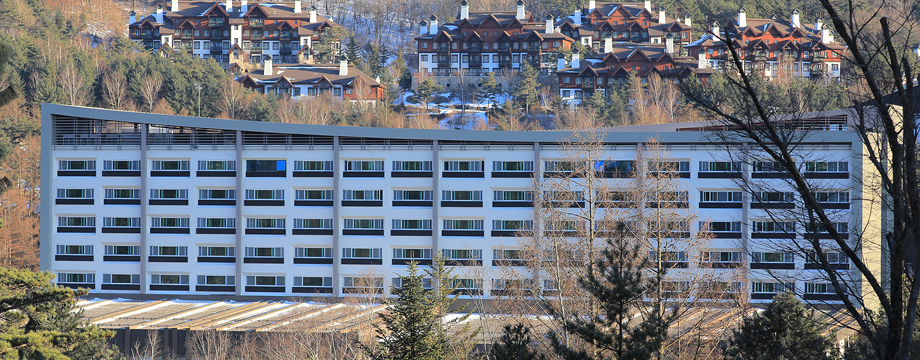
138, 203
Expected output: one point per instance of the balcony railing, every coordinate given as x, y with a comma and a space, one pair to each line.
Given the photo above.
444, 63
532, 48
216, 23
216, 35
256, 37
285, 36
216, 49
257, 22
148, 35
476, 48
587, 84
504, 47
255, 50
443, 48
504, 64
475, 64
819, 58
286, 49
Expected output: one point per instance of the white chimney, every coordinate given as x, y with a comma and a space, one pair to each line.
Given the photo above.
608, 45
575, 61
520, 10
464, 10
343, 66
742, 18
549, 24
577, 16
267, 67
687, 21
298, 6
244, 6
158, 16
229, 6
661, 17
175, 6
433, 25
795, 19
715, 28
561, 64
669, 44
703, 63
826, 37
818, 25
132, 17
313, 14
591, 6
423, 27
648, 5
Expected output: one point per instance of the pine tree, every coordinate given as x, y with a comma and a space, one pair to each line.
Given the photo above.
514, 344
526, 90
785, 330
352, 51
426, 90
409, 329
618, 285
39, 322
12, 91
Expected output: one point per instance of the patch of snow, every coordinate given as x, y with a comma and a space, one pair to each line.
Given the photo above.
450, 27
594, 61
700, 41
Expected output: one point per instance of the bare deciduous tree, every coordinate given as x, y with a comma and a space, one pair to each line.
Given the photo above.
234, 99
150, 90
114, 90
73, 85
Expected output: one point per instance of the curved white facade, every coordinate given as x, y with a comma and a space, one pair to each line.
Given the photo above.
140, 204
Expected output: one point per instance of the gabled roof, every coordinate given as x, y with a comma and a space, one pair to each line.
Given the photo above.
256, 10
216, 10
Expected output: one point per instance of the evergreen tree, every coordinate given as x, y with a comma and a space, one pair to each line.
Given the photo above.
426, 90
39, 322
785, 330
352, 51
12, 91
618, 285
488, 87
526, 90
409, 327
514, 344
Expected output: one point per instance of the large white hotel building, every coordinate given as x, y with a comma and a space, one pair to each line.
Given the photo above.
136, 203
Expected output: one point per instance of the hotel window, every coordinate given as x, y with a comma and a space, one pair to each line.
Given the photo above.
262, 223
472, 166
257, 166
313, 281
121, 278
560, 166
512, 166
169, 194
75, 196
73, 278
74, 250
362, 253
774, 196
768, 166
66, 165
273, 252
840, 227
362, 282
411, 224
422, 254
121, 165
721, 226
832, 257
826, 166
425, 57
772, 287
720, 166
773, 227
363, 165
411, 166
513, 225
820, 288
121, 222
375, 195
264, 194
216, 194
452, 195
216, 165
773, 257
409, 195
168, 251
376, 224
398, 283
169, 279
260, 280
313, 223
667, 256
126, 250
462, 224
466, 284
77, 221
832, 196
217, 223
216, 280
313, 195
302, 252
721, 256
313, 166
158, 222
462, 254
217, 251
674, 166
720, 196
